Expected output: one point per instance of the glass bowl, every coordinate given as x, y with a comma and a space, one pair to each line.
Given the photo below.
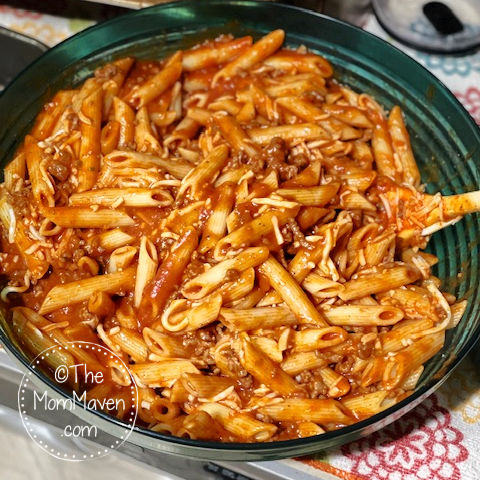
444, 137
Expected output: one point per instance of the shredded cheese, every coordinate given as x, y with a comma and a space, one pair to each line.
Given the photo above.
276, 229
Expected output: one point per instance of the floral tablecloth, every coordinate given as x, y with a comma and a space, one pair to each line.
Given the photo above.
439, 440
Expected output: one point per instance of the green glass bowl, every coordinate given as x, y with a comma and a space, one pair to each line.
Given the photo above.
444, 137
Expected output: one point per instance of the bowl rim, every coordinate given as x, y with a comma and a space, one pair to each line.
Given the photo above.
357, 427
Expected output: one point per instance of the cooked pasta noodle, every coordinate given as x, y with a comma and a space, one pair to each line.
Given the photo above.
241, 229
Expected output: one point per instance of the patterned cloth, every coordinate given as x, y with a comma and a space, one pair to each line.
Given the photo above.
438, 440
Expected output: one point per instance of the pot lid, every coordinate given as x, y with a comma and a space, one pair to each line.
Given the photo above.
447, 26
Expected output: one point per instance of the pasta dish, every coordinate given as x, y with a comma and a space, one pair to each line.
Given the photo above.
243, 230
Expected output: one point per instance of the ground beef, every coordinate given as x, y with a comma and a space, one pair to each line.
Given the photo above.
68, 249
287, 172
365, 350
194, 269
234, 364
20, 202
256, 164
245, 382
298, 236
275, 152
236, 160
60, 167
275, 158
200, 344
299, 160
78, 254
312, 382
287, 234
345, 366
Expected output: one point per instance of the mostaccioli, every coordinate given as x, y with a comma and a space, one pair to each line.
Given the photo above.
242, 229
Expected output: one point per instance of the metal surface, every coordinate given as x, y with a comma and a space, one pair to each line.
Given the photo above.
16, 52
134, 4
352, 11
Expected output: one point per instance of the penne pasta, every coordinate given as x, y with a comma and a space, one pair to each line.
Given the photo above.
200, 115
292, 60
125, 118
116, 78
81, 290
322, 287
145, 139
363, 315
109, 137
302, 108
244, 231
51, 113
128, 197
206, 388
401, 146
410, 358
177, 318
367, 404
132, 343
195, 180
37, 342
383, 150
233, 133
349, 115
16, 233
147, 267
291, 293
253, 318
234, 292
251, 232
290, 133
311, 196
42, 187
163, 373
212, 278
255, 54
111, 239
175, 167
216, 225
90, 146
338, 385
156, 85
381, 281
101, 304
164, 345
323, 412
240, 424
299, 361
318, 338
15, 171
167, 277
83, 217
217, 54
263, 369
